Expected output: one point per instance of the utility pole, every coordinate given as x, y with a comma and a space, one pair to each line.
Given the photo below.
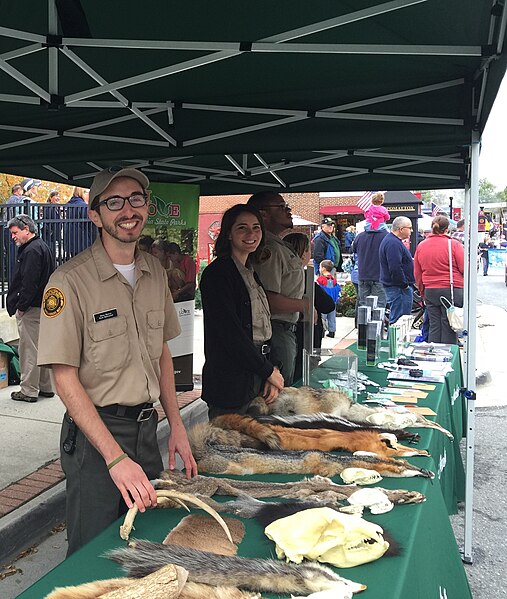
450, 207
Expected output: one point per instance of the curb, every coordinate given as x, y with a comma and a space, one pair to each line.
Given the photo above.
32, 522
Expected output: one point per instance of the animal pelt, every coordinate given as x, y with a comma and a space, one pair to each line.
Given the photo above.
317, 487
141, 558
269, 512
306, 400
211, 456
315, 439
335, 423
191, 590
198, 531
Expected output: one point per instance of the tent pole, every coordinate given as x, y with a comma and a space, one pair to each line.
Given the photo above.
470, 305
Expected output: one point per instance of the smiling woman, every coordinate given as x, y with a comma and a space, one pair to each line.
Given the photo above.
237, 326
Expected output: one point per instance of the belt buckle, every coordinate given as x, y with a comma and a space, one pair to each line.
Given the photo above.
145, 414
265, 349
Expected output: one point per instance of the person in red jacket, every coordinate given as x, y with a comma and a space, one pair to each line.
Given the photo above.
432, 275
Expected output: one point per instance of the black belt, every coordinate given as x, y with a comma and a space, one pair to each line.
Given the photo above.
288, 326
141, 413
263, 348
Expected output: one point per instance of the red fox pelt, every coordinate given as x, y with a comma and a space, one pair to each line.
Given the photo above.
220, 452
314, 439
334, 423
306, 400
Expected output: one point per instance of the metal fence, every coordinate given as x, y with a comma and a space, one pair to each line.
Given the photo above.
66, 229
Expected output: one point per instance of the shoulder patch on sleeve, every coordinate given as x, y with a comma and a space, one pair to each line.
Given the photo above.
53, 302
265, 255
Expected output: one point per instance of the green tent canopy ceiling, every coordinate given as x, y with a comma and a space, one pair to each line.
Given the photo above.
238, 97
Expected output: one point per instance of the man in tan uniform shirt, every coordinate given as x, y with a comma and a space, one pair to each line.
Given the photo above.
107, 315
281, 274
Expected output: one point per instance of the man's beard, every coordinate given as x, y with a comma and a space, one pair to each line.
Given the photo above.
114, 231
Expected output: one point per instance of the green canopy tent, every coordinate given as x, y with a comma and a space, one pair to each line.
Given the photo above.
237, 97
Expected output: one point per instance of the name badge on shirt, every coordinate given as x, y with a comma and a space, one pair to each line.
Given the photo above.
100, 316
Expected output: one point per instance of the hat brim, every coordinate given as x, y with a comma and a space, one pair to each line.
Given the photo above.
106, 177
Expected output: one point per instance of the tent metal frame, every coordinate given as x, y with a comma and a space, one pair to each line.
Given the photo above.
248, 168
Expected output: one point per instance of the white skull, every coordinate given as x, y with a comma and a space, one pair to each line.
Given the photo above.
326, 535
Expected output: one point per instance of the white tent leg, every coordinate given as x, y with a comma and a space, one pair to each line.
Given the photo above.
470, 305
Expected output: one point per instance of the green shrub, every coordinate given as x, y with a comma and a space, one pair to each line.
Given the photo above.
347, 302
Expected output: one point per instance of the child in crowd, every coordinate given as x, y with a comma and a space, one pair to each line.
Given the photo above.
376, 215
328, 282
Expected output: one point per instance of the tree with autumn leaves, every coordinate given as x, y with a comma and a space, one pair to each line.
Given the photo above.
40, 194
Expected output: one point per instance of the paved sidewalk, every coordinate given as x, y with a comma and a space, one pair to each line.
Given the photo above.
32, 487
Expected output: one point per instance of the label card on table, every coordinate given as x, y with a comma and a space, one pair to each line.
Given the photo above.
422, 411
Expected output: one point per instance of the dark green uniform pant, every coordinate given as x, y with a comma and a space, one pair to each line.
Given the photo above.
284, 349
93, 500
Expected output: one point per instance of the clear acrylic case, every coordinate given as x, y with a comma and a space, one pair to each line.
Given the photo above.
331, 369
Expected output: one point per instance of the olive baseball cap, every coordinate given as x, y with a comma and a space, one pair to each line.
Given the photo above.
102, 180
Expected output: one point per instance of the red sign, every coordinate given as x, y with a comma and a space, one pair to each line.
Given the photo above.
456, 214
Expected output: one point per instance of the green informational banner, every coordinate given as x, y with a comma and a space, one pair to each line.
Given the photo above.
172, 222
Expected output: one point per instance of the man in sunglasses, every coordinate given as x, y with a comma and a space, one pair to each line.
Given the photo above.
107, 315
281, 274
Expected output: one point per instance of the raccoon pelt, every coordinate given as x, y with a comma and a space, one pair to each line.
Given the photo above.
317, 487
271, 511
191, 590
213, 457
306, 400
141, 558
335, 423
380, 444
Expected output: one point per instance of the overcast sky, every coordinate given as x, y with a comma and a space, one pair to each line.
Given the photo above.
493, 158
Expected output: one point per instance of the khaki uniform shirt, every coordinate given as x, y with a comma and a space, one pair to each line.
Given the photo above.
261, 316
94, 320
280, 271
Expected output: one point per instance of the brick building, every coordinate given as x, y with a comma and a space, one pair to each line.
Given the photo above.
342, 207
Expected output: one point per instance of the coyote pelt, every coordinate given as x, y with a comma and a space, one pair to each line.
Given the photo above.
191, 590
306, 400
315, 439
214, 457
141, 558
315, 488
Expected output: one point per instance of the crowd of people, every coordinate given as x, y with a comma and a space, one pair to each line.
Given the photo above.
101, 321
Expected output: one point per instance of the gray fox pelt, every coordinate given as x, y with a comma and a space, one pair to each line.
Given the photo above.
220, 452
141, 558
305, 400
315, 488
273, 436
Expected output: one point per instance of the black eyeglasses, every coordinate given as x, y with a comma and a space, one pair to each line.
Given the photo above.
115, 203
281, 206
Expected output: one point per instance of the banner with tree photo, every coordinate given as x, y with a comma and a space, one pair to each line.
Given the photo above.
172, 224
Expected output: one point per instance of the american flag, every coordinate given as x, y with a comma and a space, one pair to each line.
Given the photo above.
364, 201
435, 209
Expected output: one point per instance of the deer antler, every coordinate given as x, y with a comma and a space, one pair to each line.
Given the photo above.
162, 496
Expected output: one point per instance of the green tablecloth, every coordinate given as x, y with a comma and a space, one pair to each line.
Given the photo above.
449, 405
429, 565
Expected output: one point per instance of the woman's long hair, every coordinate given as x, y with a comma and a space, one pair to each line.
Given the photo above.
439, 225
223, 243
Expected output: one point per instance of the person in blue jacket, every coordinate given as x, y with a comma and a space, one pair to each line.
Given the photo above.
79, 234
326, 246
397, 269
